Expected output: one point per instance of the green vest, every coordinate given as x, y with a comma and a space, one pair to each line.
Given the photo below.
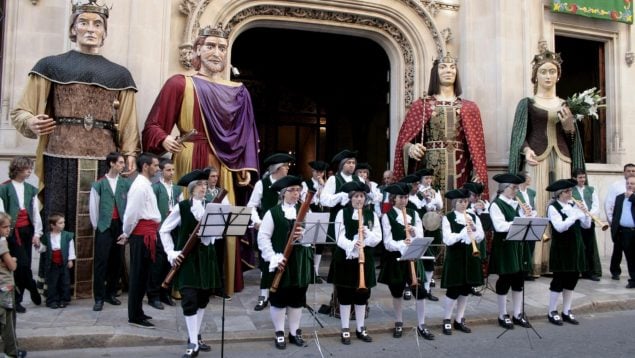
339, 181
299, 268
587, 194
269, 197
567, 248
508, 257
460, 267
108, 200
163, 198
346, 272
395, 272
531, 193
11, 204
65, 240
200, 268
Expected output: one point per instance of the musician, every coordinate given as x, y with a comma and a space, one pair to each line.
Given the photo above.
480, 207
623, 226
509, 259
431, 224
316, 184
362, 170
587, 195
262, 199
416, 202
395, 273
566, 257
526, 196
461, 269
346, 263
273, 235
199, 274
218, 195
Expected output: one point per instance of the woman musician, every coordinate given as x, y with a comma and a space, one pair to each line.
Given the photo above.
199, 275
351, 287
273, 235
462, 231
566, 257
509, 259
433, 204
399, 230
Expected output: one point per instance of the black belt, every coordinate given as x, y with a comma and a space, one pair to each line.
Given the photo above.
624, 228
87, 122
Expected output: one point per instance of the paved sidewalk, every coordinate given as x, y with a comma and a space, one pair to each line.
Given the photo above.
77, 326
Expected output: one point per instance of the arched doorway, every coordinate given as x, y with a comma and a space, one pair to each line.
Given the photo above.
317, 93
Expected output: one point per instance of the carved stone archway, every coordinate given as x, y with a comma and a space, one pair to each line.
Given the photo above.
345, 17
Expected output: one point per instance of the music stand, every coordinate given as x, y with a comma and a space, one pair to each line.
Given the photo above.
415, 251
316, 232
221, 220
525, 230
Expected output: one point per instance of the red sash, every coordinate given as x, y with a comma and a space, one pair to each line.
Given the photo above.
115, 213
56, 257
21, 221
148, 229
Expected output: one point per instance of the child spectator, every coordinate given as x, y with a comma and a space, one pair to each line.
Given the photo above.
58, 248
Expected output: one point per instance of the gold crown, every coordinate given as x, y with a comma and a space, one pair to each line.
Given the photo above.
217, 31
546, 56
91, 6
447, 58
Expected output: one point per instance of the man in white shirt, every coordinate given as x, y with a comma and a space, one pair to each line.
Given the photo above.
316, 184
589, 197
140, 227
616, 189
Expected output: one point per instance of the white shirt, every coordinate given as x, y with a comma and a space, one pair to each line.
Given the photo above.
37, 220
171, 201
573, 214
266, 231
329, 198
255, 200
93, 201
173, 220
595, 202
372, 236
617, 188
525, 196
451, 238
432, 204
401, 246
142, 204
56, 239
318, 191
498, 219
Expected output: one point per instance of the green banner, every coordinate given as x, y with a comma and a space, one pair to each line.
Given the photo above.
612, 10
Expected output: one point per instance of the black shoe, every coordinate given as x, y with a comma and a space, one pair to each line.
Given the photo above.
190, 351
506, 322
346, 336
319, 279
280, 342
431, 297
594, 278
156, 304
53, 305
570, 318
262, 303
363, 335
19, 308
202, 346
146, 317
398, 331
615, 277
447, 327
142, 324
461, 326
425, 333
112, 300
297, 339
630, 285
407, 294
98, 306
21, 353
168, 300
223, 295
63, 304
555, 318
521, 320
35, 297
474, 292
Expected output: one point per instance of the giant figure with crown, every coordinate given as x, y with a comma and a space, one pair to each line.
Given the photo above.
80, 106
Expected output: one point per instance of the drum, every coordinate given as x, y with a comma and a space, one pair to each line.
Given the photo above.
431, 220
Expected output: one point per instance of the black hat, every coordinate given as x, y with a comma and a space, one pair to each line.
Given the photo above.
363, 166
562, 184
457, 194
319, 165
424, 172
278, 158
285, 182
508, 178
196, 174
410, 179
398, 188
355, 186
343, 155
476, 188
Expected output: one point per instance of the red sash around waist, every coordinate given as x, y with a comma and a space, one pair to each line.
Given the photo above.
21, 221
56, 257
148, 229
115, 213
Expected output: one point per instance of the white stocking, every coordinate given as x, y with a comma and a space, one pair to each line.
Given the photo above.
567, 298
553, 300
199, 319
192, 324
517, 299
360, 314
502, 306
396, 304
316, 263
460, 308
428, 280
295, 315
277, 317
421, 311
448, 307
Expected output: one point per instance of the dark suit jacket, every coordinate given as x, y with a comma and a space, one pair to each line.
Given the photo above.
617, 214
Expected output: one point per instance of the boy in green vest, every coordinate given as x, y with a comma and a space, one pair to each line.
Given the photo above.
589, 196
58, 249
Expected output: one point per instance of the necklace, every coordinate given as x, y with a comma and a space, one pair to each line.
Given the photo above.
545, 97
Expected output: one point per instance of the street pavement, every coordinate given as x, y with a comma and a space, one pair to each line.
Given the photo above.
77, 326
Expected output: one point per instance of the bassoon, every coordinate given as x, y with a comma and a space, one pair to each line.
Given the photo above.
190, 245
413, 270
288, 248
361, 286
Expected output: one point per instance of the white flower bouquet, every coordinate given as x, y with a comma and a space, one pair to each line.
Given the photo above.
586, 104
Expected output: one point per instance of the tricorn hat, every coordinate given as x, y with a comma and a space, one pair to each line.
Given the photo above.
196, 174
343, 155
278, 158
561, 185
508, 178
476, 188
457, 194
285, 182
319, 165
398, 188
352, 186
